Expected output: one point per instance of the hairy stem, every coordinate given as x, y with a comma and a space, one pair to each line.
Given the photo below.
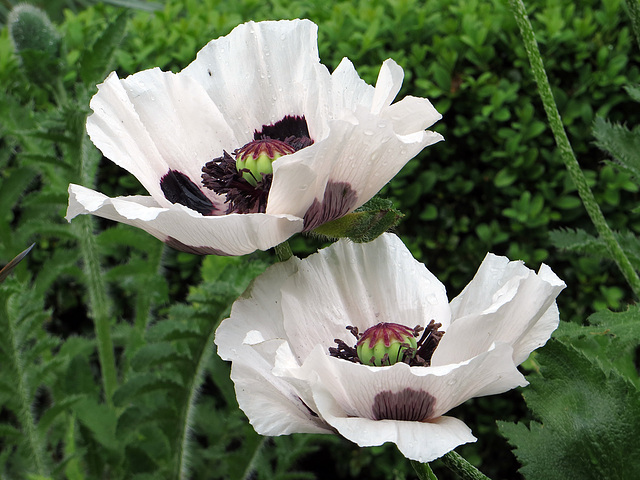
461, 467
423, 470
186, 418
27, 420
251, 465
568, 157
98, 300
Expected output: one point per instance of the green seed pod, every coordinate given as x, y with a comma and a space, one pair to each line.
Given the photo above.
385, 344
257, 157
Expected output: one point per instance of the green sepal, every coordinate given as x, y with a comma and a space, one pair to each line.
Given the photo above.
364, 224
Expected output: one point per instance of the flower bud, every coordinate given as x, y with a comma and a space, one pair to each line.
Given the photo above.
386, 344
31, 29
255, 158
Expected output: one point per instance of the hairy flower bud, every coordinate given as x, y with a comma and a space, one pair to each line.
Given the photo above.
386, 344
255, 158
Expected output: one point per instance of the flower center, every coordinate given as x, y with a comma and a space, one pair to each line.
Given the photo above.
389, 343
254, 160
246, 179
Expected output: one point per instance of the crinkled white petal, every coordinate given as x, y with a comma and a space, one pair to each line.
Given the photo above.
273, 405
262, 72
420, 441
503, 303
355, 386
233, 234
358, 284
154, 121
365, 148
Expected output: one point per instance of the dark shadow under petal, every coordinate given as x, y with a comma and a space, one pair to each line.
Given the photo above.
178, 245
339, 198
408, 404
178, 188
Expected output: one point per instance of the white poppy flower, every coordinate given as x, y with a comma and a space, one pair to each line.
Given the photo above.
310, 145
290, 376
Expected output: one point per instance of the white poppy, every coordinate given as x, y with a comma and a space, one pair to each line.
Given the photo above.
251, 143
291, 377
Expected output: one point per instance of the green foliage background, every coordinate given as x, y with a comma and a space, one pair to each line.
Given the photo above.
497, 184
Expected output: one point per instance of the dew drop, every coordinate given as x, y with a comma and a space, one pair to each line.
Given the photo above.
368, 132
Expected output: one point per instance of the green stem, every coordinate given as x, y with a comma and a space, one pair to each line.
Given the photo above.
634, 13
570, 161
187, 414
423, 470
251, 465
27, 420
283, 251
461, 467
98, 300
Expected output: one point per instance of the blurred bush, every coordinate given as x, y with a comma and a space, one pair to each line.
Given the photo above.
496, 184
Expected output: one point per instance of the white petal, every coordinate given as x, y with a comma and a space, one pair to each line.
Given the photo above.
364, 156
259, 309
184, 228
358, 284
411, 114
503, 303
348, 90
271, 404
388, 85
155, 121
355, 387
262, 72
420, 441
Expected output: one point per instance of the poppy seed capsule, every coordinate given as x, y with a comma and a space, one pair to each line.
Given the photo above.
385, 344
255, 158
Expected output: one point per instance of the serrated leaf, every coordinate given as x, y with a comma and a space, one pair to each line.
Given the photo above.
589, 420
611, 338
621, 143
633, 91
141, 384
59, 407
157, 353
582, 242
96, 60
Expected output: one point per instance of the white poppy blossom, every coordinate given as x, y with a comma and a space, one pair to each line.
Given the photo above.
281, 333
251, 143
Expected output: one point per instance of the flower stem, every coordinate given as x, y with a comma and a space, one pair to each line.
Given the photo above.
98, 299
423, 470
568, 157
283, 251
461, 467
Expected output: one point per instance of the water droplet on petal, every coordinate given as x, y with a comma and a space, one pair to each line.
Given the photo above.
368, 132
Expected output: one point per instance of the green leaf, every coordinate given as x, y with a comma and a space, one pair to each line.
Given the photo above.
96, 60
611, 339
363, 225
589, 420
585, 243
623, 144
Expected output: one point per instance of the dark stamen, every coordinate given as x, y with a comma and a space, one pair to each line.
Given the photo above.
222, 176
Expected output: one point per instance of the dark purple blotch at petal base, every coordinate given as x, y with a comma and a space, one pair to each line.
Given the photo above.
292, 130
178, 188
408, 404
339, 198
203, 250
